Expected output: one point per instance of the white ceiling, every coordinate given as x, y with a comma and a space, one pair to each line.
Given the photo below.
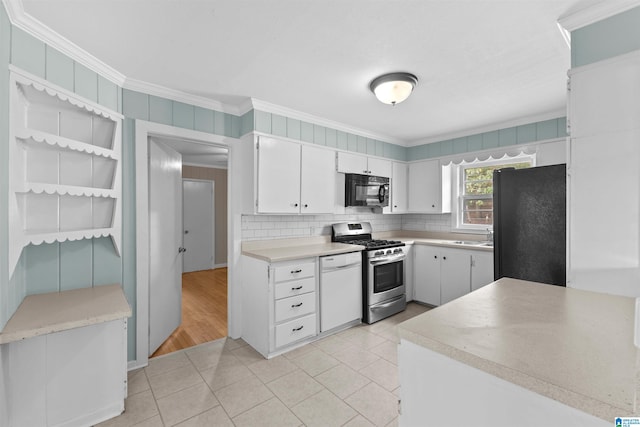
197, 153
479, 62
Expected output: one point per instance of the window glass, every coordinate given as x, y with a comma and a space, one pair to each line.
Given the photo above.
475, 201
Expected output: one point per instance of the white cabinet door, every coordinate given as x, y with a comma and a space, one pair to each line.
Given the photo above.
426, 277
363, 165
408, 271
429, 187
317, 180
278, 183
399, 191
379, 167
481, 269
352, 163
455, 274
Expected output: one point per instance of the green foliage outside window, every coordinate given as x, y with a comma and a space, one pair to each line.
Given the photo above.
477, 197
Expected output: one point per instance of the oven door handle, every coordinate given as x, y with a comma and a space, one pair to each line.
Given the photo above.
388, 260
387, 304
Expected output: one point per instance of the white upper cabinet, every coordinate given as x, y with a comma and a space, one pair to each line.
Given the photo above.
363, 165
64, 173
278, 176
552, 153
317, 178
399, 190
429, 187
294, 178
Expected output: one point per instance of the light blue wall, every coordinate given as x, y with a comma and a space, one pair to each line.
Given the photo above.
7, 303
278, 125
610, 37
532, 132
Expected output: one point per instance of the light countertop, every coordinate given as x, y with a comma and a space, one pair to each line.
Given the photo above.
276, 250
570, 345
286, 253
59, 311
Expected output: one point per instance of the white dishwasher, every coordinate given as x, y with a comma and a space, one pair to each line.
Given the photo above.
340, 289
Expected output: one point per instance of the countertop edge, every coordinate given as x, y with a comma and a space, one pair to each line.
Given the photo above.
311, 251
567, 397
119, 308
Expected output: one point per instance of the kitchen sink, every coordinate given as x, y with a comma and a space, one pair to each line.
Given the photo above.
472, 243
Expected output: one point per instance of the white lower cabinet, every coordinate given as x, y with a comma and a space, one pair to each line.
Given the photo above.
481, 269
279, 303
443, 274
408, 271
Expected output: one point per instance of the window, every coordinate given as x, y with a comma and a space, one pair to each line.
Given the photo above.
475, 190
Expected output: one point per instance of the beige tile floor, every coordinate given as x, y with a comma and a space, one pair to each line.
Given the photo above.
347, 379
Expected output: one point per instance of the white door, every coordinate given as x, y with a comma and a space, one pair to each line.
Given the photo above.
197, 208
399, 187
455, 274
278, 176
165, 243
426, 276
317, 180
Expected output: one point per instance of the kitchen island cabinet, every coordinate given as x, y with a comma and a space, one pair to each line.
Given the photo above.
520, 353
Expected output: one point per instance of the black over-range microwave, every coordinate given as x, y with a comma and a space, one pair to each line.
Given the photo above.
366, 190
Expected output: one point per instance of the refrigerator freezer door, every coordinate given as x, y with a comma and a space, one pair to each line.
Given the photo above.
530, 224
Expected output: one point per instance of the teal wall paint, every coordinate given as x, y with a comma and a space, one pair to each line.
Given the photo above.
128, 246
523, 134
8, 290
279, 125
616, 35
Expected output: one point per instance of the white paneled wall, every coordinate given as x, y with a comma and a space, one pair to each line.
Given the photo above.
427, 222
257, 227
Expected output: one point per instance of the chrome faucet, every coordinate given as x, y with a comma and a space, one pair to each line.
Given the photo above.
489, 235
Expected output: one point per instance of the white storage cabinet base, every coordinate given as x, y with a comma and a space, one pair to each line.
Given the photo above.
54, 379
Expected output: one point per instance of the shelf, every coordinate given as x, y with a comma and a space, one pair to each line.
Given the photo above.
56, 141
65, 171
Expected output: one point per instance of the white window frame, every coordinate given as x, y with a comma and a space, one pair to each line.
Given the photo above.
458, 188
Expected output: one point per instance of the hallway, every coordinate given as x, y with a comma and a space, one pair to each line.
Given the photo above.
204, 311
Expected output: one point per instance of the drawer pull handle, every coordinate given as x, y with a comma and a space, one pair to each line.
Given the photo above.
296, 271
297, 288
296, 305
297, 329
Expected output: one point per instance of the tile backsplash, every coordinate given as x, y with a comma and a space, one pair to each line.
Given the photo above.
259, 227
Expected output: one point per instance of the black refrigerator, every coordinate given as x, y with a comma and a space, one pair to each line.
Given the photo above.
529, 224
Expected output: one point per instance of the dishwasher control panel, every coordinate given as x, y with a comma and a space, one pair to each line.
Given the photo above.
340, 260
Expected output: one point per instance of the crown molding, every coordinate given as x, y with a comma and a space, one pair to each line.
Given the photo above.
493, 127
37, 29
298, 115
594, 13
176, 95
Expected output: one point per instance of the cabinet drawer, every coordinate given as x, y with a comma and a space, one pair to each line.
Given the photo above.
295, 330
295, 306
295, 287
294, 271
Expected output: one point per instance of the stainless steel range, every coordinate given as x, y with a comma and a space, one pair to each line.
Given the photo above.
382, 270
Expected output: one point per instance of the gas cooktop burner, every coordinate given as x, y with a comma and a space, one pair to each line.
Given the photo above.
375, 244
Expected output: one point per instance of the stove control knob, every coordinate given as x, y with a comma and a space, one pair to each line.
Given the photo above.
397, 251
379, 253
389, 251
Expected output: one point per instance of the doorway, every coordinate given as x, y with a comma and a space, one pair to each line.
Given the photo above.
206, 303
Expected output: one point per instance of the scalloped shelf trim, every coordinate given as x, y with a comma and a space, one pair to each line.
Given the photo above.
63, 97
66, 143
67, 190
71, 236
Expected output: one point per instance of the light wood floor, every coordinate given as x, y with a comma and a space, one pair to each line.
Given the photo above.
204, 310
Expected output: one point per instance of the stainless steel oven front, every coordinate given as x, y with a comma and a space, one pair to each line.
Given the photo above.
386, 290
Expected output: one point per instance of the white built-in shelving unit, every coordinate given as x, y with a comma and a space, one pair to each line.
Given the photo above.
64, 178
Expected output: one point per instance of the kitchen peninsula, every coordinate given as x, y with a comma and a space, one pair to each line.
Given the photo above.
518, 352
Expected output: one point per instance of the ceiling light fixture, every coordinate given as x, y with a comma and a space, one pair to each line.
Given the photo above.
393, 88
